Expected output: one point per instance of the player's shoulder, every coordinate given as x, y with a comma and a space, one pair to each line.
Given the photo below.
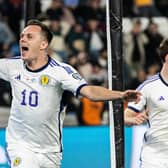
149, 81
56, 63
60, 66
11, 61
14, 59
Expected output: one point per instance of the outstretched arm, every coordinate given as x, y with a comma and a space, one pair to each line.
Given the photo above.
133, 118
98, 93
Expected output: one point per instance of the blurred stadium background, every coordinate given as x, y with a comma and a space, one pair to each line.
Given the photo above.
79, 28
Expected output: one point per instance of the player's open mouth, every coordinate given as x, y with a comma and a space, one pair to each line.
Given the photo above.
24, 48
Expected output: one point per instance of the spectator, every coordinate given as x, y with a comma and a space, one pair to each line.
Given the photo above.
84, 65
136, 81
152, 69
73, 60
5, 93
98, 75
155, 39
76, 39
90, 9
90, 112
58, 43
58, 9
14, 15
134, 48
6, 38
96, 37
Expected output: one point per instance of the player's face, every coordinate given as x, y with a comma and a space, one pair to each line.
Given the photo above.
32, 42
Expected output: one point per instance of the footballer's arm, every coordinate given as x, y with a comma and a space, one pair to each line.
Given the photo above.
133, 118
98, 93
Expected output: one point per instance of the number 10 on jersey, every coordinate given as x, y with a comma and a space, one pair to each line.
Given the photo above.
29, 98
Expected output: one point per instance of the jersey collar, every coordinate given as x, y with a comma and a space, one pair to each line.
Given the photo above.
161, 78
39, 69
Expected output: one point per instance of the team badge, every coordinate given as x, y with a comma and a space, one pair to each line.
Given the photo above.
17, 161
44, 80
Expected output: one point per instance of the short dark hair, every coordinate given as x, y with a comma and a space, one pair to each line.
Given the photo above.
45, 30
163, 49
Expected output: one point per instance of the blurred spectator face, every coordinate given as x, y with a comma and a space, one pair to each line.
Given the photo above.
141, 75
93, 24
82, 58
153, 28
78, 28
153, 69
136, 28
54, 25
73, 60
96, 68
79, 45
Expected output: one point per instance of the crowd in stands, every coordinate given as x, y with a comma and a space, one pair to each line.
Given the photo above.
145, 8
79, 29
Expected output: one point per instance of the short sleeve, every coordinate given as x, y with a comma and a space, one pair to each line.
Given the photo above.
71, 80
140, 106
4, 71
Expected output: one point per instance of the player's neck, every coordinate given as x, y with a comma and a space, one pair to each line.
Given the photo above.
164, 72
37, 63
